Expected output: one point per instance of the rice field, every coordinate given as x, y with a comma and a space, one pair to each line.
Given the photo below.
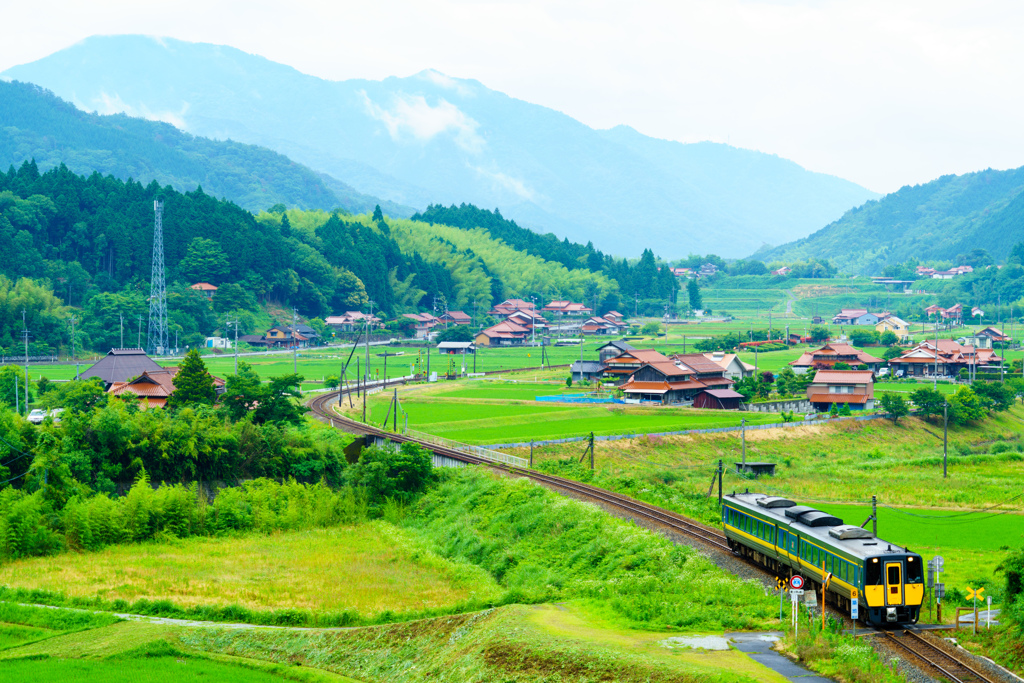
369, 569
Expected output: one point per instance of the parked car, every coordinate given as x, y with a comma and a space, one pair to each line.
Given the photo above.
38, 415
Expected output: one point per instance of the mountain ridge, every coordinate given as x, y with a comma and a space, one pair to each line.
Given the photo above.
36, 124
433, 139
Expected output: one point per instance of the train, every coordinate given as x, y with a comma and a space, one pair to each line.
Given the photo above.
789, 539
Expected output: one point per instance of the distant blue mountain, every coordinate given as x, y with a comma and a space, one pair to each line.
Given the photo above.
430, 138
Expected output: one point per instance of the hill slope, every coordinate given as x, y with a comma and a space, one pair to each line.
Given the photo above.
935, 221
34, 123
429, 138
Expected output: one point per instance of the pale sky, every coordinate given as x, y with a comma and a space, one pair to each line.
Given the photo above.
881, 93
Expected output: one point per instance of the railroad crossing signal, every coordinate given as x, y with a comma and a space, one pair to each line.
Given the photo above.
974, 593
779, 583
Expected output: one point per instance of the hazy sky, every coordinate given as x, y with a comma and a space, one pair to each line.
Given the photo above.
882, 93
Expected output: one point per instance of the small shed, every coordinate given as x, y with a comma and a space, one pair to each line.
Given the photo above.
719, 399
586, 370
456, 347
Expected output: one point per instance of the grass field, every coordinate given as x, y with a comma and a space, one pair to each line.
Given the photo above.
479, 412
367, 569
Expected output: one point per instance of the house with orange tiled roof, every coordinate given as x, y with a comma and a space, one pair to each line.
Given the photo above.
947, 358
154, 387
855, 388
834, 352
510, 306
505, 333
620, 366
567, 308
204, 288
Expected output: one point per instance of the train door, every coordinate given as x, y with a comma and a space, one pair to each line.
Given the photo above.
893, 583
780, 539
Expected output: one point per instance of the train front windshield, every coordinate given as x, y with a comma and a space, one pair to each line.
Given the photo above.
915, 573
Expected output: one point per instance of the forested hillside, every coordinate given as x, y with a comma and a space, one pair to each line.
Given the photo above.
81, 246
36, 124
937, 221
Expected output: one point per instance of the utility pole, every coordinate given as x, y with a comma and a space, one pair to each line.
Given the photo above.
24, 325
139, 345
121, 316
371, 304
719, 482
945, 429
743, 439
874, 516
935, 377
295, 345
73, 343
229, 322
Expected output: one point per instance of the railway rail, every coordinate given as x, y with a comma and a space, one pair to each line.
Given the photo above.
933, 657
706, 535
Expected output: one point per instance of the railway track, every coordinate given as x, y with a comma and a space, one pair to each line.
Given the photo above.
665, 518
935, 658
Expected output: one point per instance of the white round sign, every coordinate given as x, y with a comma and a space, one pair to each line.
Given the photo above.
797, 582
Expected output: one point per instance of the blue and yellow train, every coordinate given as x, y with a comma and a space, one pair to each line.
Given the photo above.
793, 539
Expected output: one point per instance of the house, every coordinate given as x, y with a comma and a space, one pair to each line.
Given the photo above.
618, 368
681, 272
614, 316
954, 312
505, 333
925, 271
951, 273
121, 365
706, 371
455, 348
154, 386
586, 370
853, 387
707, 270
830, 354
897, 326
946, 358
509, 306
612, 349
283, 336
993, 334
783, 271
528, 318
351, 321
603, 326
978, 341
455, 318
662, 382
718, 399
425, 322
567, 308
733, 367
855, 316
204, 288
933, 310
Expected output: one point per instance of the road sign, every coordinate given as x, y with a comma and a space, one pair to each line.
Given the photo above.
937, 562
794, 598
854, 594
974, 593
796, 591
811, 599
854, 610
940, 590
796, 582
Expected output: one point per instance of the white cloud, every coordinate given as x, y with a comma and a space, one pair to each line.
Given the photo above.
413, 115
113, 104
446, 82
507, 182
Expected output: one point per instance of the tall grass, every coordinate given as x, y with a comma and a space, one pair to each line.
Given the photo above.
31, 524
543, 547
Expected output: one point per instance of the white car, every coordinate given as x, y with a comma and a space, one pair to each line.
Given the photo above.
38, 415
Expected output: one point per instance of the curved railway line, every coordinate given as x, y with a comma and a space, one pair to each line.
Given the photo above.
706, 535
933, 657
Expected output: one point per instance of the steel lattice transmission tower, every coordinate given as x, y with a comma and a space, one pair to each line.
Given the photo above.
158, 339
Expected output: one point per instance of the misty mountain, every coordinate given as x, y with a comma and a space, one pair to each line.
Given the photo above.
36, 124
429, 138
940, 220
